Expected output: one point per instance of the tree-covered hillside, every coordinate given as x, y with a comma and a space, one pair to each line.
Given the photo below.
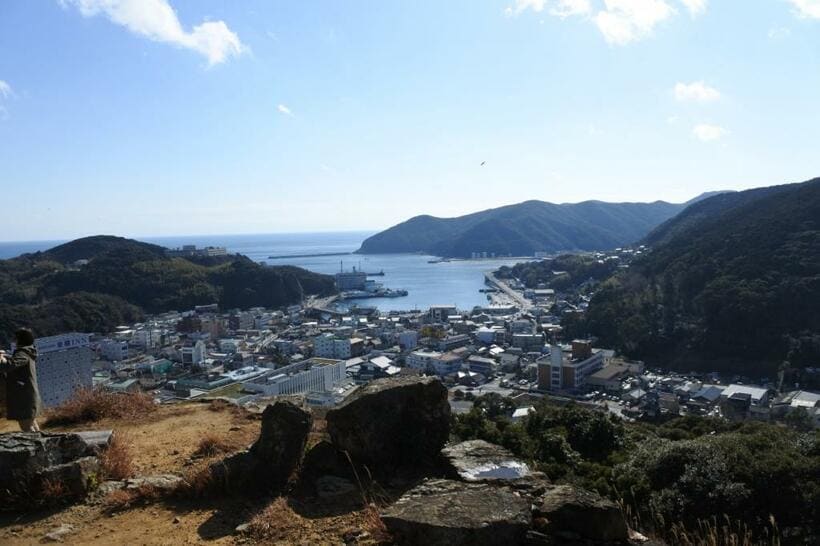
733, 283
124, 279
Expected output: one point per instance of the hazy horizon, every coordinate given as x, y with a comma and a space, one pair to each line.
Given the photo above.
144, 237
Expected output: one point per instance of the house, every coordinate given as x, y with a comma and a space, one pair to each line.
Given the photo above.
484, 366
376, 368
522, 412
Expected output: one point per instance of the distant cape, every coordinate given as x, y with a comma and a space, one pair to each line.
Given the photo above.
526, 228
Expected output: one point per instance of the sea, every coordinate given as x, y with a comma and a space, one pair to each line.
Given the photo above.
455, 282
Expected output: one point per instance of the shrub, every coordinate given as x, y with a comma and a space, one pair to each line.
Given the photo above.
211, 445
90, 405
116, 461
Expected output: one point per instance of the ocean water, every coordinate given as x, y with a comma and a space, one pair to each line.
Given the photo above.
455, 282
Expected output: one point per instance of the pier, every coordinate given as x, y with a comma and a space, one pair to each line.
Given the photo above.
317, 255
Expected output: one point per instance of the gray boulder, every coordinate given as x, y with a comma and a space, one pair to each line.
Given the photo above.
392, 423
37, 466
453, 513
477, 460
276, 454
568, 509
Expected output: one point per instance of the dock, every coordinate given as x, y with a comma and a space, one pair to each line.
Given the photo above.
317, 255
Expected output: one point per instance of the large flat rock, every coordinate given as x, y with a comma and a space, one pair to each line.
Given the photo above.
454, 513
569, 509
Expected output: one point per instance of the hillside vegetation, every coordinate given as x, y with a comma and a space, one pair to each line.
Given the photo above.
681, 472
525, 228
124, 279
731, 283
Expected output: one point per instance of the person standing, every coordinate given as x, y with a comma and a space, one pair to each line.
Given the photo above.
22, 395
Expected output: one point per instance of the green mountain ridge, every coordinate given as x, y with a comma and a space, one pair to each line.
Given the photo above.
731, 283
124, 279
525, 228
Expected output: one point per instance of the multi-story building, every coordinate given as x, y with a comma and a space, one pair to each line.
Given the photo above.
351, 280
316, 375
453, 342
63, 366
421, 360
331, 346
114, 350
193, 353
560, 371
440, 313
408, 340
435, 362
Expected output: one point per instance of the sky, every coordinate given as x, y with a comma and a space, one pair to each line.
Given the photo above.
174, 117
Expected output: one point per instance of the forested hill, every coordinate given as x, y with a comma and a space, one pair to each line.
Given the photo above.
733, 283
525, 228
124, 279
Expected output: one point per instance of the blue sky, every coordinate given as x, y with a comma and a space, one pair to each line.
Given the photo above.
159, 117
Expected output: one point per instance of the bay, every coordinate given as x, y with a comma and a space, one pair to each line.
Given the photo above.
455, 282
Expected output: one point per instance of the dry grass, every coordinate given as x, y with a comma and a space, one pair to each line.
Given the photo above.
374, 525
276, 522
53, 491
725, 532
123, 499
197, 483
116, 461
118, 500
211, 445
90, 405
710, 532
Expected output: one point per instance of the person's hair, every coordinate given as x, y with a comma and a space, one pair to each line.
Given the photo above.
24, 337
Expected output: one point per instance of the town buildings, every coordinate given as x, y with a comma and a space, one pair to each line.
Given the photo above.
63, 366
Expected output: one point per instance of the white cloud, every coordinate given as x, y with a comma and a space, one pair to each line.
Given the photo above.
620, 21
568, 8
696, 91
5, 90
707, 132
284, 110
809, 9
778, 33
523, 5
624, 21
695, 7
157, 21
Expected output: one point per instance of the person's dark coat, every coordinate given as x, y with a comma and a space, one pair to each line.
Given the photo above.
22, 395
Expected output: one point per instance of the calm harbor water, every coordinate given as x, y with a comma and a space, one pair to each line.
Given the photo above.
455, 282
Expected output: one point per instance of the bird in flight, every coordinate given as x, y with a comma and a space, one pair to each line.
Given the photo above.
482, 163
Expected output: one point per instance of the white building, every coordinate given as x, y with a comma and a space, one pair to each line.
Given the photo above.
63, 366
433, 361
330, 346
193, 354
114, 350
421, 360
316, 375
408, 340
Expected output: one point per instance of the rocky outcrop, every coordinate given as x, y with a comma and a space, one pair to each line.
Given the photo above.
477, 460
276, 454
569, 511
452, 513
393, 423
38, 467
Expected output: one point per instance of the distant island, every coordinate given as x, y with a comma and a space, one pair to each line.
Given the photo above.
95, 283
525, 229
